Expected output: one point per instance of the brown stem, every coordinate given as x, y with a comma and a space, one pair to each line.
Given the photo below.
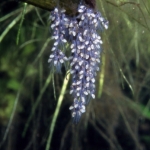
69, 5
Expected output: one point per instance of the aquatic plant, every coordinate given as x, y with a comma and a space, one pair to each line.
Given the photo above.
82, 32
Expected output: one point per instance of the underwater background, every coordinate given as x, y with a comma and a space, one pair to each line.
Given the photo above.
35, 101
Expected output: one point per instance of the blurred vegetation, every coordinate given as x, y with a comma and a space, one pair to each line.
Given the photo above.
31, 118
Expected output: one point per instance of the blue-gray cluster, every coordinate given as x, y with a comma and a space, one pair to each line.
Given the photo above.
85, 52
58, 26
